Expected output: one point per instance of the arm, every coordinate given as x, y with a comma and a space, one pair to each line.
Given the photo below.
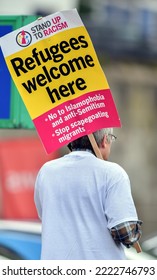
127, 233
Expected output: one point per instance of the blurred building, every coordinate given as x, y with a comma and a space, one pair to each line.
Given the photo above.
123, 28
26, 7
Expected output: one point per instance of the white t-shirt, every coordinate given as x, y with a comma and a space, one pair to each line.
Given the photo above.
79, 198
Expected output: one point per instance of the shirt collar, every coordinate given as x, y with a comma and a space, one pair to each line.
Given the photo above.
82, 152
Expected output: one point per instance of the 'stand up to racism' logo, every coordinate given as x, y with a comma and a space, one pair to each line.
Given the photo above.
23, 38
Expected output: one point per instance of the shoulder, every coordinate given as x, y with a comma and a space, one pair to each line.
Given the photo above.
114, 172
112, 167
48, 166
117, 169
119, 180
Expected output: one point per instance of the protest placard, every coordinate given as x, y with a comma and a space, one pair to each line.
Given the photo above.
55, 68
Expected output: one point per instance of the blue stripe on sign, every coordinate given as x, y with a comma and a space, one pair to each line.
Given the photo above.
5, 80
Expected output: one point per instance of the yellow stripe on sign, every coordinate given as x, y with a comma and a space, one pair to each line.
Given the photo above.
55, 70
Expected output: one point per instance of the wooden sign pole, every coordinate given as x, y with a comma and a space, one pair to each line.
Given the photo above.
94, 146
98, 154
137, 247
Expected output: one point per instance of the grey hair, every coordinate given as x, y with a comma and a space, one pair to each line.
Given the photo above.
99, 135
83, 143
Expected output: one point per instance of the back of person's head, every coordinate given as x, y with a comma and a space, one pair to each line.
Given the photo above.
83, 143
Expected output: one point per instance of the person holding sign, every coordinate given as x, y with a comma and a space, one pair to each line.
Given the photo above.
85, 204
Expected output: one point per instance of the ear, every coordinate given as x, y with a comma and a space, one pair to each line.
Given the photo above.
104, 141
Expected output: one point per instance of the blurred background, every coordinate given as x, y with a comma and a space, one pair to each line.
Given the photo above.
125, 39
